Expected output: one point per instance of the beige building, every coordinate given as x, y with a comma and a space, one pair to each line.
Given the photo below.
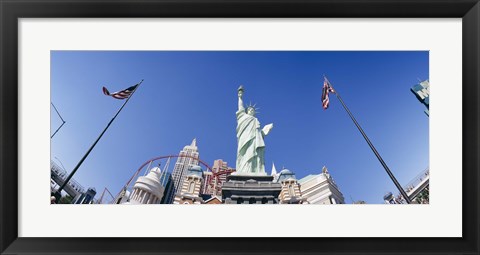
191, 187
291, 192
320, 189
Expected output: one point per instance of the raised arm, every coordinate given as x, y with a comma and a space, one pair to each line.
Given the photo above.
240, 101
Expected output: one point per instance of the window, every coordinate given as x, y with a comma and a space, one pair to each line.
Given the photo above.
191, 187
291, 190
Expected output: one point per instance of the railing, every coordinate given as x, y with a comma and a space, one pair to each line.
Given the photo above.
62, 174
415, 182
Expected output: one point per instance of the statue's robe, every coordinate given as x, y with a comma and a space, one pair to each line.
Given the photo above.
251, 146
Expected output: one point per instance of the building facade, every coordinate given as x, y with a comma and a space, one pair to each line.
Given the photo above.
167, 182
188, 157
291, 193
85, 198
57, 178
215, 200
148, 189
320, 189
208, 180
191, 187
215, 179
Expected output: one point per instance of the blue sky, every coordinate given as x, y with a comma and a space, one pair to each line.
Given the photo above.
193, 94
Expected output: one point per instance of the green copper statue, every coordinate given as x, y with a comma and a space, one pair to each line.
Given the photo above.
251, 146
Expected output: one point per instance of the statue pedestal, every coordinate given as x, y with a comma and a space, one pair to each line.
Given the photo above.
250, 189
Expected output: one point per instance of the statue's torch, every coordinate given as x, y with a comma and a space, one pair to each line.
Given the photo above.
240, 90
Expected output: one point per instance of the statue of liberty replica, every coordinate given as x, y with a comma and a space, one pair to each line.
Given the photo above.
250, 184
251, 146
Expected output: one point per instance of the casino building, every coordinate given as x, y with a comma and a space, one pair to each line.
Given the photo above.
191, 187
321, 189
291, 193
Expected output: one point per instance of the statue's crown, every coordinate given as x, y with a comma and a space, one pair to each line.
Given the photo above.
250, 106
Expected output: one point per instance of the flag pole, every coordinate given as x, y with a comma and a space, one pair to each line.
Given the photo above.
390, 174
58, 193
63, 121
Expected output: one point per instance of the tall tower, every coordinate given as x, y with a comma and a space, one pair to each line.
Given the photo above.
188, 157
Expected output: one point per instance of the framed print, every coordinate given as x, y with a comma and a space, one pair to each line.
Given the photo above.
239, 127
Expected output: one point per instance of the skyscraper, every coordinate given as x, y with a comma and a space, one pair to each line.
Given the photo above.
214, 181
167, 182
188, 157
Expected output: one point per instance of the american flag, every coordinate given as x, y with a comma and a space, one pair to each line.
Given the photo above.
120, 94
327, 88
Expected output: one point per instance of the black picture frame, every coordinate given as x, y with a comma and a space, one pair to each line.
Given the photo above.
11, 11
